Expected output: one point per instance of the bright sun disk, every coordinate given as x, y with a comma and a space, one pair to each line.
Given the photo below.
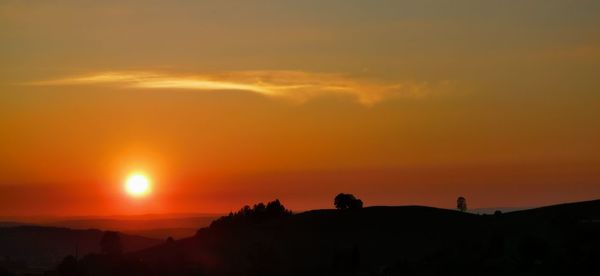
137, 185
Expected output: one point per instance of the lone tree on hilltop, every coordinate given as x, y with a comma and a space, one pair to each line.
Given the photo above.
347, 201
461, 204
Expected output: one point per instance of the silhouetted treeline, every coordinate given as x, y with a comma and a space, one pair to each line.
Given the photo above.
255, 214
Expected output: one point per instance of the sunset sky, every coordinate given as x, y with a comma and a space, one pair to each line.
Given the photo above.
226, 103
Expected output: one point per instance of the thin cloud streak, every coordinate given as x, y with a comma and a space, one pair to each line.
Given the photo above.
294, 85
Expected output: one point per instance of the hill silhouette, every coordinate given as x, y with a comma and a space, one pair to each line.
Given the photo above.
405, 240
39, 248
380, 240
321, 242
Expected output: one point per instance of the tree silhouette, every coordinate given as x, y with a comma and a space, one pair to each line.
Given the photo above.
259, 208
110, 243
275, 208
461, 204
256, 214
347, 201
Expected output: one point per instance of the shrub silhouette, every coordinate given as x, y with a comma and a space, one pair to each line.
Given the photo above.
461, 204
110, 243
347, 201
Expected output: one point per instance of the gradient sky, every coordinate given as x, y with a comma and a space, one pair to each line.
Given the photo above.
226, 103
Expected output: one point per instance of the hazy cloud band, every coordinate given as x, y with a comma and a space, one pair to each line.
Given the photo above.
294, 85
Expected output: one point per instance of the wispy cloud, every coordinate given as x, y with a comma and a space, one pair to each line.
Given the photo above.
295, 85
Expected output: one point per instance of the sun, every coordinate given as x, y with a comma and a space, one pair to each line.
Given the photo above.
137, 185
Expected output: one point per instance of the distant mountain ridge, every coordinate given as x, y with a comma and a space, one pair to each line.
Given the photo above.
12, 223
153, 226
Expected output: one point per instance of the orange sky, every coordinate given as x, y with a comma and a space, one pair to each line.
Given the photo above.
226, 104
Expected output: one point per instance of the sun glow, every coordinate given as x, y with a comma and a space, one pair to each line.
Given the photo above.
137, 185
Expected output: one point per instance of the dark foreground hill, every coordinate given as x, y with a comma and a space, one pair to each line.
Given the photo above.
37, 248
409, 240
